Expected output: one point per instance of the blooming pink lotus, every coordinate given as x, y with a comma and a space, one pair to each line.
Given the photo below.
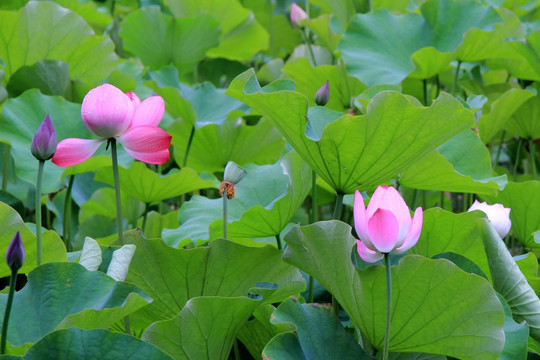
386, 226
110, 114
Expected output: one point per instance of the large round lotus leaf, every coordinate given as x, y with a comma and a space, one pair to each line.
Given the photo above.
206, 327
241, 35
159, 40
358, 152
462, 164
44, 30
437, 308
377, 47
525, 122
173, 276
60, 295
93, 344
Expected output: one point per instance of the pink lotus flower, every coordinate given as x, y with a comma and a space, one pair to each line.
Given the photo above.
386, 226
498, 215
297, 15
110, 114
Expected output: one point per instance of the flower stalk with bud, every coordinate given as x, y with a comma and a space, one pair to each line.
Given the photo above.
15, 259
43, 147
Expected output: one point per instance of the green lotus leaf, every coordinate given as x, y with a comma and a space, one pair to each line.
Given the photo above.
358, 152
462, 164
436, 307
93, 344
60, 295
44, 30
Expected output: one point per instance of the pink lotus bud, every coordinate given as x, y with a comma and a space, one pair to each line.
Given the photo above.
297, 15
43, 144
498, 215
15, 253
386, 226
322, 95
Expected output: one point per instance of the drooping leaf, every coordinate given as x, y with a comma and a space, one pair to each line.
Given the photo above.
44, 30
363, 151
53, 248
462, 164
455, 313
61, 295
205, 328
319, 333
525, 121
515, 334
528, 264
93, 344
509, 281
173, 276
51, 77
159, 39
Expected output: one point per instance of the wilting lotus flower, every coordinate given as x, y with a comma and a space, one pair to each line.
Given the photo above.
43, 144
386, 226
297, 15
110, 114
15, 253
498, 215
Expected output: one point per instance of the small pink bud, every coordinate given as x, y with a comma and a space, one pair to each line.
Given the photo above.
43, 144
323, 95
297, 15
15, 253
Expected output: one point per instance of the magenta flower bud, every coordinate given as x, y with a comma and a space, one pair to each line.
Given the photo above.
43, 144
15, 253
322, 95
297, 15
498, 215
386, 225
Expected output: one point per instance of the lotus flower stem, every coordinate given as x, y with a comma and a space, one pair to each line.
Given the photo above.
5, 169
424, 86
66, 230
38, 211
388, 305
442, 200
188, 146
456, 76
313, 214
5, 322
145, 216
308, 44
533, 160
117, 191
225, 216
499, 149
518, 153
337, 207
278, 242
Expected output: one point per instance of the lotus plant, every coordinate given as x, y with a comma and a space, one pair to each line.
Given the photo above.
43, 147
384, 227
114, 116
